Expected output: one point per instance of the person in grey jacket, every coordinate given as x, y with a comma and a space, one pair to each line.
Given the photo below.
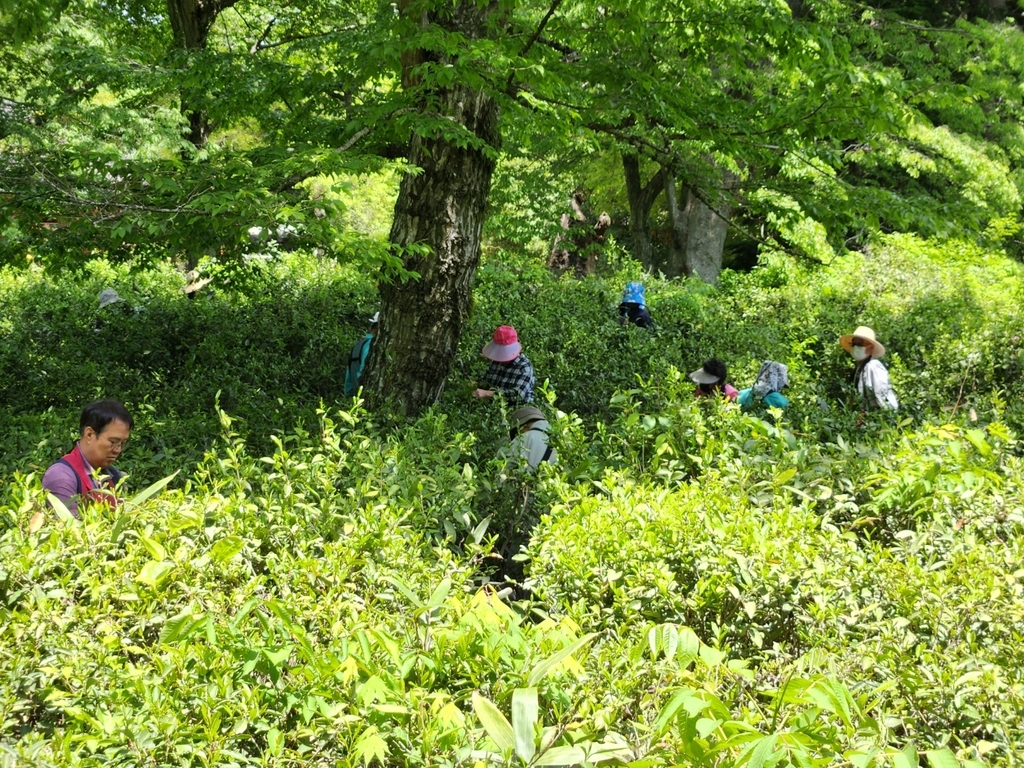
530, 437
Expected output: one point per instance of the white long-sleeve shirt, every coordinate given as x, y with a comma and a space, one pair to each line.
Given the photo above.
873, 384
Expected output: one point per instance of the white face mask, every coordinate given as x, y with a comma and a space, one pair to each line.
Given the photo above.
859, 353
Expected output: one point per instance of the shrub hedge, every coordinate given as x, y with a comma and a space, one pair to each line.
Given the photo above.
321, 585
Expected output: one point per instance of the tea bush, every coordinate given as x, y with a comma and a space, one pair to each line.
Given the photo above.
272, 612
326, 586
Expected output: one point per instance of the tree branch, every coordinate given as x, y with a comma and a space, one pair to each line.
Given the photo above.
510, 83
299, 38
540, 28
262, 38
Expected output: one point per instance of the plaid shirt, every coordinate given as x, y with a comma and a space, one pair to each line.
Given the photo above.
514, 379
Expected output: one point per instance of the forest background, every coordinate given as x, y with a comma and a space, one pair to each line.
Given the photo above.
314, 579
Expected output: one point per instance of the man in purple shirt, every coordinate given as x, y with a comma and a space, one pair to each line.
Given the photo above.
86, 472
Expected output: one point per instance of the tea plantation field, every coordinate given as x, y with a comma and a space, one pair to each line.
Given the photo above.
297, 581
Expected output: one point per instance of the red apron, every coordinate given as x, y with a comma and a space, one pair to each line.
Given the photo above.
87, 484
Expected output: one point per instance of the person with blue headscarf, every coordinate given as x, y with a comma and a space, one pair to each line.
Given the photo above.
633, 308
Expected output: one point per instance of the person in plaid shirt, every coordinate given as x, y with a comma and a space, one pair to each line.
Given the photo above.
510, 371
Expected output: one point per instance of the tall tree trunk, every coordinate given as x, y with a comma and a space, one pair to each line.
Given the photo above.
706, 231
641, 198
442, 207
191, 21
675, 264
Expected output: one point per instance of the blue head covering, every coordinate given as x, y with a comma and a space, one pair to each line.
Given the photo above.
634, 294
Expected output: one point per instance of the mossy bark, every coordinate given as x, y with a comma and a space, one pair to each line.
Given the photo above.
441, 207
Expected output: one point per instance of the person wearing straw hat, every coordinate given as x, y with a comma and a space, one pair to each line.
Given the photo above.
870, 376
530, 437
357, 357
710, 379
633, 308
510, 371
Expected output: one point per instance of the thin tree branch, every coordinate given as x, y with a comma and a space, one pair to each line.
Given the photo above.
300, 38
568, 52
510, 83
540, 28
262, 38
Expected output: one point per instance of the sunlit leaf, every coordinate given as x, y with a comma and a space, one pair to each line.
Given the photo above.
494, 723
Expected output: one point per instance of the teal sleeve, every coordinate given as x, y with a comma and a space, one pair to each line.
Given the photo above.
364, 355
776, 400
352, 377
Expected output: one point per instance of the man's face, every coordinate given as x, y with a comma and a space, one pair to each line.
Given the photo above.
101, 449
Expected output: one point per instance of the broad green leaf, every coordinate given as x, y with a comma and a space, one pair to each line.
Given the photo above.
785, 477
226, 548
409, 594
907, 758
669, 711
711, 656
497, 727
180, 627
478, 533
544, 668
155, 488
762, 752
154, 572
976, 437
524, 721
942, 758
706, 726
439, 595
370, 746
664, 638
59, 507
565, 755
275, 741
155, 548
280, 656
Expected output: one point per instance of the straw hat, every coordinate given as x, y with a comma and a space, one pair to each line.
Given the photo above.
863, 332
505, 346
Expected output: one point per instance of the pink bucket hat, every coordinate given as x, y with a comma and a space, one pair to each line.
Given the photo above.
505, 347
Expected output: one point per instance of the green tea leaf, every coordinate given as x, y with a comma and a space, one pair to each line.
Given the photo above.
524, 721
439, 595
59, 507
226, 548
154, 547
544, 668
154, 573
565, 755
942, 758
155, 488
478, 533
497, 727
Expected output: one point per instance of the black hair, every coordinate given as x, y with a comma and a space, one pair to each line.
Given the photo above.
716, 368
99, 413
